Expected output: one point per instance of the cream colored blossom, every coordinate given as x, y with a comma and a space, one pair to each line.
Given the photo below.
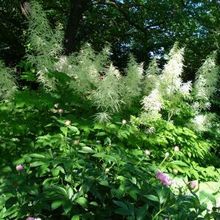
152, 102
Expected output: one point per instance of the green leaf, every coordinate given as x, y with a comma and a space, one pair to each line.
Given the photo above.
204, 197
37, 163
179, 163
70, 192
74, 129
152, 198
86, 150
55, 172
56, 204
82, 201
100, 134
64, 130
57, 190
142, 212
75, 217
125, 209
35, 155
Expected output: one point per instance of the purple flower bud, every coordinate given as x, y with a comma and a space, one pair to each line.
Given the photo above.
193, 184
164, 179
30, 218
19, 167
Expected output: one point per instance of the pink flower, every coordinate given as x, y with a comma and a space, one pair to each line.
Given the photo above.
193, 184
164, 179
19, 167
30, 218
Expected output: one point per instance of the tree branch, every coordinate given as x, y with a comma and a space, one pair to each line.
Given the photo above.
118, 6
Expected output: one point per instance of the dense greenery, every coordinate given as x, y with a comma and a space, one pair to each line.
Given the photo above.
145, 28
81, 139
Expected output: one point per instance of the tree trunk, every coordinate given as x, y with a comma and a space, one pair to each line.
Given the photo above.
77, 8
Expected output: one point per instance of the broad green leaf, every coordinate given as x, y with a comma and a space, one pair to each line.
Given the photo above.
56, 204
82, 201
35, 155
75, 217
37, 163
86, 150
152, 198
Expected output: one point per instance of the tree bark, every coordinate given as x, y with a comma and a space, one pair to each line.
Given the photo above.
77, 8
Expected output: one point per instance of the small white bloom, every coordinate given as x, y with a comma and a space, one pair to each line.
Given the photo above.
167, 154
151, 130
56, 105
175, 171
60, 110
67, 122
54, 110
76, 142
107, 170
124, 121
147, 152
176, 149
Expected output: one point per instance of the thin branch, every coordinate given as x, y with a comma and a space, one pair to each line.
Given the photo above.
126, 15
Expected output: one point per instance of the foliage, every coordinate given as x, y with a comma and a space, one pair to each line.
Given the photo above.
145, 28
93, 170
150, 153
43, 45
7, 84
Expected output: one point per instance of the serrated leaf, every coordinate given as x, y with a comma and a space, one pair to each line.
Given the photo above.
179, 163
